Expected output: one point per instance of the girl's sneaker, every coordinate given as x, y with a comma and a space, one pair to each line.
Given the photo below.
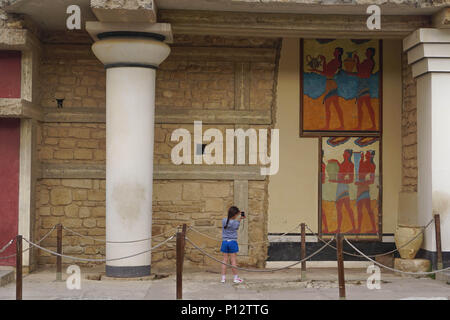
238, 280
223, 279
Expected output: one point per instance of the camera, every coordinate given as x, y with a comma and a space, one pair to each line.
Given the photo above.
242, 214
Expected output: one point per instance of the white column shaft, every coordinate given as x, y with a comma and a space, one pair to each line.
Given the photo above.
130, 117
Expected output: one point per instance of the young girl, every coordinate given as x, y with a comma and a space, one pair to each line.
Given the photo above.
230, 226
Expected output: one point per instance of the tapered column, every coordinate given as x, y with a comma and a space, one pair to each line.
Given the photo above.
429, 54
131, 60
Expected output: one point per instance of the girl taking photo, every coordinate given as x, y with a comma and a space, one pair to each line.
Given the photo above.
230, 226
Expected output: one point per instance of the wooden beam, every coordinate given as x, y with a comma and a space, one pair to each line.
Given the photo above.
224, 54
19, 108
17, 39
163, 116
288, 25
161, 172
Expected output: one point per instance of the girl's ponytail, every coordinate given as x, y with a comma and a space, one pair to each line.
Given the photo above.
231, 213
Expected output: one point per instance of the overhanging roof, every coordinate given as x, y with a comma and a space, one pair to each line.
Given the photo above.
51, 14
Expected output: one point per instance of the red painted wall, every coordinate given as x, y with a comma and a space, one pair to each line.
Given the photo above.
9, 185
10, 74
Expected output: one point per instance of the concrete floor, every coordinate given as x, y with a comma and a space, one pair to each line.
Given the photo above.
321, 284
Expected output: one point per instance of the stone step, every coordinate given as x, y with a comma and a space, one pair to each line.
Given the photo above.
6, 276
443, 276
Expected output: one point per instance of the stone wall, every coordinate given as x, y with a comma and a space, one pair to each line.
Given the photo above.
409, 129
214, 74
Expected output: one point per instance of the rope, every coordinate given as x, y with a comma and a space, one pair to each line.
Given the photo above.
98, 260
392, 269
243, 244
375, 255
106, 241
7, 245
42, 239
253, 270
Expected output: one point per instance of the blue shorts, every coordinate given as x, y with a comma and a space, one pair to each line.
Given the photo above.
229, 246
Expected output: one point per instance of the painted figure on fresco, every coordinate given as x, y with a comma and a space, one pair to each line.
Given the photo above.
349, 188
345, 177
329, 70
364, 71
340, 86
366, 177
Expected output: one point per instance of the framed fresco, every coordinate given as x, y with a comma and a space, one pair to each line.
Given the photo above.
340, 87
350, 187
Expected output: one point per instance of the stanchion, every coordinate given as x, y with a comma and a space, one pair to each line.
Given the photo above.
303, 252
59, 250
181, 240
19, 267
340, 263
437, 227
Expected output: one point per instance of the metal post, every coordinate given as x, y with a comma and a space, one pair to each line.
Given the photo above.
437, 227
340, 263
59, 250
180, 259
303, 252
19, 267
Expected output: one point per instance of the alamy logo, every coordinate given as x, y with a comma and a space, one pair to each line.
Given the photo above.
213, 152
374, 280
73, 22
73, 281
374, 21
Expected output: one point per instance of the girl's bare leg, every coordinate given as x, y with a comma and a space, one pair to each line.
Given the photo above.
224, 267
233, 263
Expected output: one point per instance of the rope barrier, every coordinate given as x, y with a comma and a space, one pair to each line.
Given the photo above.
98, 260
253, 270
375, 255
243, 244
106, 241
392, 269
7, 245
42, 239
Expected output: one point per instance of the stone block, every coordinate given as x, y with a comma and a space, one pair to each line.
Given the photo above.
191, 191
83, 154
71, 211
216, 189
60, 196
79, 195
89, 223
63, 154
412, 265
84, 212
96, 195
167, 191
214, 205
77, 183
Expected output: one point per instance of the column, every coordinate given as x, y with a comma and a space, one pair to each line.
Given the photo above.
429, 54
131, 60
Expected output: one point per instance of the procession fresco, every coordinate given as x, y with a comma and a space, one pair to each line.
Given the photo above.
350, 185
341, 89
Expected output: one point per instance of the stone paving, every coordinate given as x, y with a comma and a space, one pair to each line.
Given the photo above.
321, 284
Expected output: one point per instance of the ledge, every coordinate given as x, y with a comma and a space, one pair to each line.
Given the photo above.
163, 116
161, 172
19, 108
288, 24
17, 39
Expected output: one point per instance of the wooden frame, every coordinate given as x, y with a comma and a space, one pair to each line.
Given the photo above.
317, 133
359, 237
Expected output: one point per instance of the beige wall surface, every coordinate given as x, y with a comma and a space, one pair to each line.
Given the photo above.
293, 192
